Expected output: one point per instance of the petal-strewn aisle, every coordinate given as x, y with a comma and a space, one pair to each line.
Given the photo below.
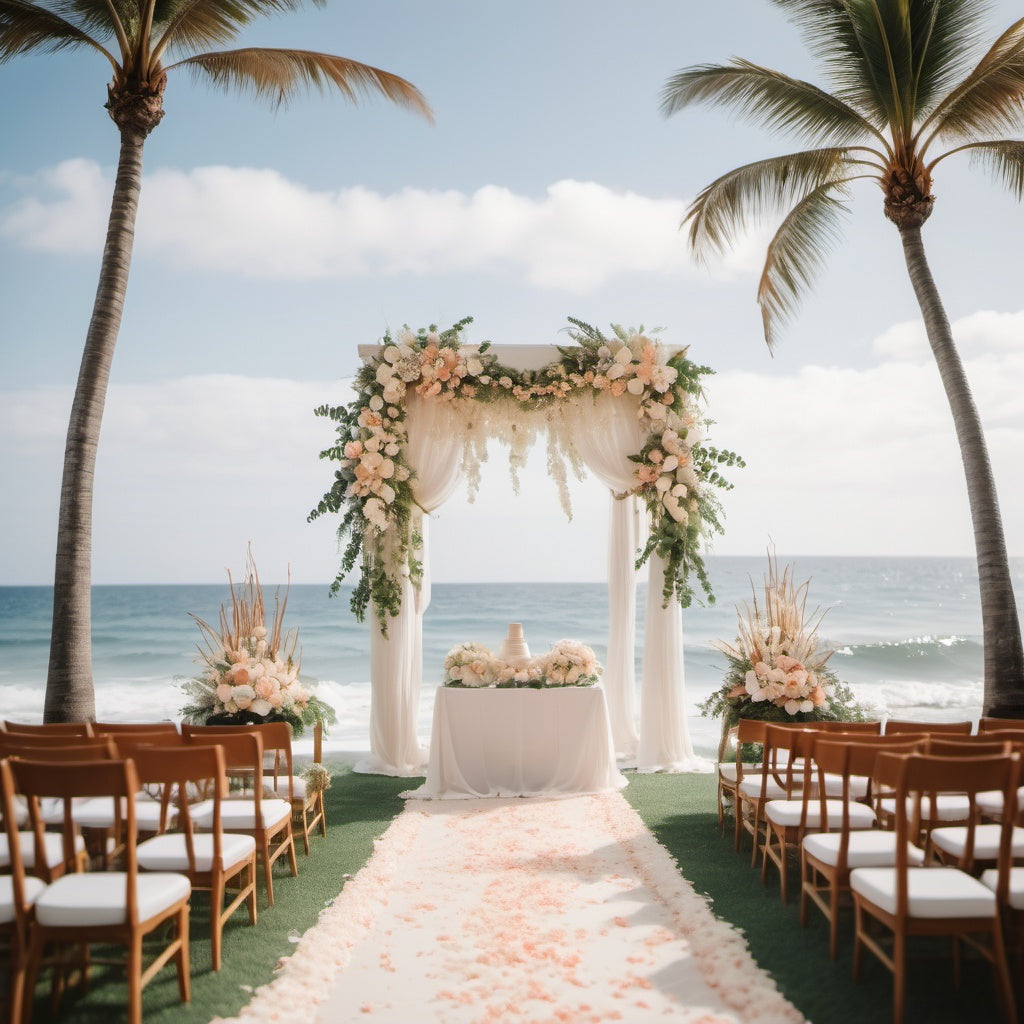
533, 910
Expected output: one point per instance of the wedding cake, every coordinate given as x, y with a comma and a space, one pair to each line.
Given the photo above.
513, 647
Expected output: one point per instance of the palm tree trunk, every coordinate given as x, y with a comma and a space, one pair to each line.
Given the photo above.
70, 696
1004, 658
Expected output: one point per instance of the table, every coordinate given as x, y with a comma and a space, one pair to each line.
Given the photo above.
519, 742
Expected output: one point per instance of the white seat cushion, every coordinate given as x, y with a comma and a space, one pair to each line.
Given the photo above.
871, 848
1015, 896
787, 812
932, 892
298, 787
858, 786
990, 803
168, 852
53, 848
98, 812
727, 769
241, 814
953, 838
33, 887
948, 807
98, 898
751, 788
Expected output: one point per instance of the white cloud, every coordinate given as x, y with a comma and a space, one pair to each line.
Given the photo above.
255, 222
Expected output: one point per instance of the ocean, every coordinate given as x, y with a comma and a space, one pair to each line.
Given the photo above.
907, 634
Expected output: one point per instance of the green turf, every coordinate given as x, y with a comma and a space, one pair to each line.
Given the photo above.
679, 810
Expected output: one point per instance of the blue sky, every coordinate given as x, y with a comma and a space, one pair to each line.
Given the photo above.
270, 245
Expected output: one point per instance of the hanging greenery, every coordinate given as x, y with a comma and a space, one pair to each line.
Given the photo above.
677, 472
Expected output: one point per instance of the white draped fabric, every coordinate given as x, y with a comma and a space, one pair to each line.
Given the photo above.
664, 736
433, 450
605, 433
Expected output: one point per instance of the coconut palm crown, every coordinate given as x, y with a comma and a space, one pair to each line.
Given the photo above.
143, 41
911, 87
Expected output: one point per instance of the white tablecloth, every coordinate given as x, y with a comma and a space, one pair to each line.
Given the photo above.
519, 742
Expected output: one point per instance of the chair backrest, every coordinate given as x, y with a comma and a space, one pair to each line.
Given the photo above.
16, 865
277, 748
57, 748
917, 777
867, 728
787, 755
48, 728
893, 726
990, 724
116, 728
187, 774
243, 752
968, 746
68, 780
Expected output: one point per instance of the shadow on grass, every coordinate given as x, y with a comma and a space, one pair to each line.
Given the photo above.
680, 812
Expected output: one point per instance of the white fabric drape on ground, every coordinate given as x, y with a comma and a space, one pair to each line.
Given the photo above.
433, 451
605, 433
664, 735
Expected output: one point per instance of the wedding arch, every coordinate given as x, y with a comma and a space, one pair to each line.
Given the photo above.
623, 406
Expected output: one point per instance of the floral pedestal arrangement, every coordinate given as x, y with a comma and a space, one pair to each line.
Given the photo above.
251, 674
777, 666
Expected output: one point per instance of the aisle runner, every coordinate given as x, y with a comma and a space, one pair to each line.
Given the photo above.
533, 910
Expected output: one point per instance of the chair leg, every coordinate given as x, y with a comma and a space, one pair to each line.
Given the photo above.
32, 963
268, 871
181, 959
134, 970
216, 920
323, 814
1004, 983
899, 976
250, 875
833, 924
858, 944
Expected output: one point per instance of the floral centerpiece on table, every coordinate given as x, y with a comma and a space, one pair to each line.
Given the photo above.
777, 666
373, 489
568, 663
251, 674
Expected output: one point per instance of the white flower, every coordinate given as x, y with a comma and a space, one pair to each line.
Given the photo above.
474, 366
374, 511
670, 463
623, 357
635, 386
615, 371
392, 354
376, 403
385, 371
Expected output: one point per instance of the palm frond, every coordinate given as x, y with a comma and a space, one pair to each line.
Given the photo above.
768, 98
277, 75
1003, 159
745, 195
890, 60
184, 26
102, 18
991, 98
796, 252
29, 28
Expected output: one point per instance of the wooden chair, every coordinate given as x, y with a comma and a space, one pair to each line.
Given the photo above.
280, 779
18, 893
865, 728
48, 728
53, 854
213, 861
787, 821
894, 726
828, 856
948, 808
908, 901
267, 820
105, 907
780, 778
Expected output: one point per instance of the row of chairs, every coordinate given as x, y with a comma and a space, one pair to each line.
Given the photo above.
910, 824
118, 787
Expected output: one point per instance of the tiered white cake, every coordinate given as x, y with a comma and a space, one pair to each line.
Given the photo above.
513, 647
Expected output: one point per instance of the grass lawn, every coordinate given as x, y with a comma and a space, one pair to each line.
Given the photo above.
679, 810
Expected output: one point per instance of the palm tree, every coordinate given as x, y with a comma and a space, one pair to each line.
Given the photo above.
909, 91
136, 37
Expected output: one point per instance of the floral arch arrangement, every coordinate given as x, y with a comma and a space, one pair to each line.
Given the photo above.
676, 471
